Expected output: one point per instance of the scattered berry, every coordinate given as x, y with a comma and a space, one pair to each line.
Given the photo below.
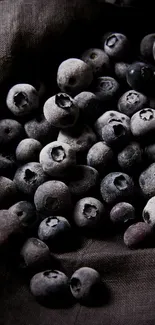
74, 76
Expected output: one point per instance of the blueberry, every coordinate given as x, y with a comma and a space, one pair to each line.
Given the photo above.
150, 152
122, 213
88, 213
146, 47
89, 105
98, 61
84, 284
141, 77
25, 213
28, 151
147, 181
80, 138
106, 88
100, 156
116, 187
50, 285
115, 134
138, 235
116, 46
154, 50
74, 76
28, 177
121, 70
54, 231
108, 117
35, 254
149, 212
8, 192
8, 226
22, 99
60, 111
130, 157
11, 132
52, 198
39, 129
7, 164
131, 102
83, 180
56, 158
143, 122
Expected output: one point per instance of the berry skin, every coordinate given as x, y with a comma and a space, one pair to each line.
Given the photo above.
108, 117
150, 152
147, 181
141, 77
74, 76
7, 164
88, 213
28, 151
28, 177
149, 212
8, 192
50, 285
8, 226
52, 198
22, 99
130, 157
89, 105
56, 158
146, 47
131, 102
137, 235
11, 132
25, 213
60, 111
39, 129
106, 88
99, 156
84, 284
116, 187
122, 213
80, 138
35, 254
54, 231
115, 134
121, 70
83, 180
143, 122
116, 46
98, 61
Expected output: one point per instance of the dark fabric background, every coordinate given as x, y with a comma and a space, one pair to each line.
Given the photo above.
34, 37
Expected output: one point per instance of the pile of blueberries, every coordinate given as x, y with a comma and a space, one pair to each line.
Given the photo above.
82, 159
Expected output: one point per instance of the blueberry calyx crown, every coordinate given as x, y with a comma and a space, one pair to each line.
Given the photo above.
63, 100
90, 211
146, 114
58, 154
75, 284
132, 97
29, 176
120, 182
20, 99
111, 40
52, 222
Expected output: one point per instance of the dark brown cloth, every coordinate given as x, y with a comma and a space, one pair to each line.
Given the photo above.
34, 37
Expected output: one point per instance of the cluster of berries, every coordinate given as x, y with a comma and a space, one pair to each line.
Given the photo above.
84, 158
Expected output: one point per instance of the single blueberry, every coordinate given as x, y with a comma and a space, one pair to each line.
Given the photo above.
56, 158
74, 76
22, 99
88, 213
